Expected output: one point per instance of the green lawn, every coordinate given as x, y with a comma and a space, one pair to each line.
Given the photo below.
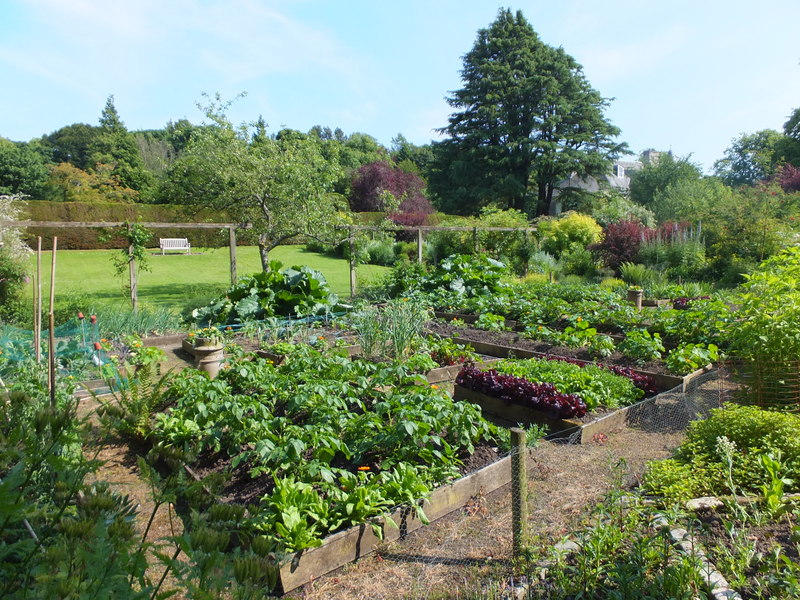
176, 280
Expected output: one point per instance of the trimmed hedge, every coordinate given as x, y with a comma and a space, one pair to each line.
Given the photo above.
89, 238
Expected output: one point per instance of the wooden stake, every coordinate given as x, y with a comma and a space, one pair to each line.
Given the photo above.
37, 314
519, 488
352, 265
132, 268
52, 335
419, 246
232, 232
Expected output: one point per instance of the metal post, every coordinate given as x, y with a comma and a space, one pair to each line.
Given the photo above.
519, 489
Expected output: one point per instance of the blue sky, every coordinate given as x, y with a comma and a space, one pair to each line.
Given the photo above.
686, 76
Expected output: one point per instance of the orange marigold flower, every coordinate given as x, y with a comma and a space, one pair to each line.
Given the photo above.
434, 386
364, 468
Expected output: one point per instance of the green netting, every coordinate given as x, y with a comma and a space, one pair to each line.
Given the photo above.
74, 345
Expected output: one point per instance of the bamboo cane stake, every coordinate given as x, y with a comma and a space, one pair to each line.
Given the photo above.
52, 335
37, 311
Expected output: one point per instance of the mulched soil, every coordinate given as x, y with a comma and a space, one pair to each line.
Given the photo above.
236, 486
515, 339
767, 537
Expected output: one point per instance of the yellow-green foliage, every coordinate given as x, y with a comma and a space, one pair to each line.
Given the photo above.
699, 469
571, 230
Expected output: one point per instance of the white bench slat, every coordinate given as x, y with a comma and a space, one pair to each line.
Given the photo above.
174, 244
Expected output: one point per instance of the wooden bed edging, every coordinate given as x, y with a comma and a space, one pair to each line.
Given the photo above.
560, 428
663, 382
351, 544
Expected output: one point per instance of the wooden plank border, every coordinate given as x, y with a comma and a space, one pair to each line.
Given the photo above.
352, 544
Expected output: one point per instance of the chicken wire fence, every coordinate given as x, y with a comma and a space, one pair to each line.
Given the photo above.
468, 554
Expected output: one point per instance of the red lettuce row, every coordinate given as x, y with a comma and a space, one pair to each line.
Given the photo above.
645, 383
541, 396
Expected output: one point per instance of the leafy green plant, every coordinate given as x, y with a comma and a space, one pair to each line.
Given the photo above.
292, 292
491, 322
642, 347
345, 440
753, 431
446, 352
687, 358
596, 386
772, 490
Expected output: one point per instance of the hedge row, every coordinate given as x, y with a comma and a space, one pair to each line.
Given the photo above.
90, 238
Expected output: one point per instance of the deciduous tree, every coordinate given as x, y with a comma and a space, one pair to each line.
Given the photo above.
749, 158
279, 186
657, 175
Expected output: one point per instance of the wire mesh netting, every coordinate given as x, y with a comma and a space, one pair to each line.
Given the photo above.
764, 383
469, 553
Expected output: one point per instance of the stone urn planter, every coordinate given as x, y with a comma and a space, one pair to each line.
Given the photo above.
208, 354
635, 297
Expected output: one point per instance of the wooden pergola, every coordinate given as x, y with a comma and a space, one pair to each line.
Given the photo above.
231, 227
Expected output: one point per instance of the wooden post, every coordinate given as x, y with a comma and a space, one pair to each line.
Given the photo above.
527, 260
51, 379
37, 310
352, 264
519, 488
132, 269
475, 244
419, 246
232, 232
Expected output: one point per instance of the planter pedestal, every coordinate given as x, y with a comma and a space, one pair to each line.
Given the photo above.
208, 358
635, 297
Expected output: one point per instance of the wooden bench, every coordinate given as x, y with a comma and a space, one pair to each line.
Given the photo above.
174, 244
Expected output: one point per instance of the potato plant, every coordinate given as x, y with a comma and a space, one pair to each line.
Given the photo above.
342, 441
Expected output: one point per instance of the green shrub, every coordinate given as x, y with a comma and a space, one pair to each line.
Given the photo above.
381, 252
567, 232
579, 261
638, 274
754, 432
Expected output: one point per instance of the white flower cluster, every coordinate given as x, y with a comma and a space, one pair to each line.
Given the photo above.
10, 238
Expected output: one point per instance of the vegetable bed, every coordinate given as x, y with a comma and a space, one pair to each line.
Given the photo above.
322, 442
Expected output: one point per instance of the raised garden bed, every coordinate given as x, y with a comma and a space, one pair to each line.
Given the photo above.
583, 430
663, 381
355, 543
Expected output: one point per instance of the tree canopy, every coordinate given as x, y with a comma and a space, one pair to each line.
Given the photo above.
526, 118
749, 158
656, 175
279, 185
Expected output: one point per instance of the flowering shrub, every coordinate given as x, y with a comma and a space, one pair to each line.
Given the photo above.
541, 396
620, 243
